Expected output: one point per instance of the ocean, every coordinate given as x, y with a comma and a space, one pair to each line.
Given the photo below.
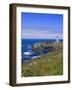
26, 47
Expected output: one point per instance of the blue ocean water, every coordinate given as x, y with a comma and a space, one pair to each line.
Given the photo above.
26, 46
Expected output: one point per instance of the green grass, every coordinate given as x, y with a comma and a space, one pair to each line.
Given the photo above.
46, 65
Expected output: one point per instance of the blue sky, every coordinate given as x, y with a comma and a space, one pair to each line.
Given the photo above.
41, 25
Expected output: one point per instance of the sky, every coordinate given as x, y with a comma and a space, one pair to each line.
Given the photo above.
41, 26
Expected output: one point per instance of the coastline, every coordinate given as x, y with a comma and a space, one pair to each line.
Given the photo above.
48, 64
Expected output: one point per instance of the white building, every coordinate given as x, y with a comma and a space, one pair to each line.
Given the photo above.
57, 39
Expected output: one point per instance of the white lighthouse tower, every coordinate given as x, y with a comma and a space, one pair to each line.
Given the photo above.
57, 39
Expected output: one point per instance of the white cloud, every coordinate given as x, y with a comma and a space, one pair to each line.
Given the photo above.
33, 34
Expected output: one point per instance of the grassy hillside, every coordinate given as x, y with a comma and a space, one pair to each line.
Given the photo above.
46, 65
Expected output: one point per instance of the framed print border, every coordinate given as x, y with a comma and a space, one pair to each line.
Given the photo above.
13, 43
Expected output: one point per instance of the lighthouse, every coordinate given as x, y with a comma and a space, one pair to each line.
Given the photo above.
57, 39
